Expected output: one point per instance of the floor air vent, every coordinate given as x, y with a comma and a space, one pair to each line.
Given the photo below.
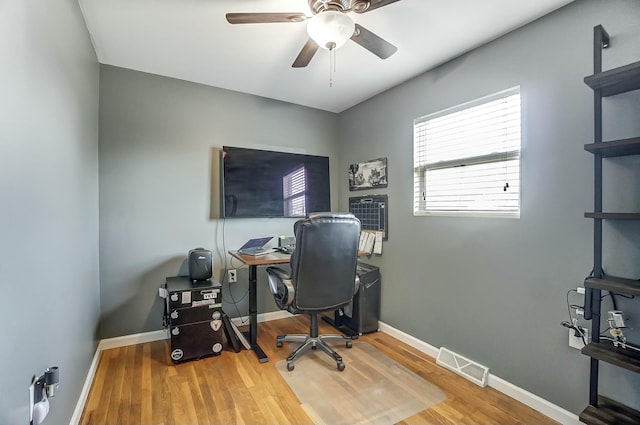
464, 367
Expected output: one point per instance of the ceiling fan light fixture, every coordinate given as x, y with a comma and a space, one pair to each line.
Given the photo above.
330, 29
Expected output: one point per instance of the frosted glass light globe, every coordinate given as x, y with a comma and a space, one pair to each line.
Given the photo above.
330, 29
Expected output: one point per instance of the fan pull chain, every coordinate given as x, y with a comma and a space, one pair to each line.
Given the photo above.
332, 65
334, 61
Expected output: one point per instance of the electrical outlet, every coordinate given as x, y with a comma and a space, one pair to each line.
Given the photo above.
576, 341
232, 276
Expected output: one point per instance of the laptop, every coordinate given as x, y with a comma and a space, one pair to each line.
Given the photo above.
256, 246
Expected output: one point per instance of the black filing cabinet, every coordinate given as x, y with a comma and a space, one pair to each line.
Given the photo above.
362, 314
194, 318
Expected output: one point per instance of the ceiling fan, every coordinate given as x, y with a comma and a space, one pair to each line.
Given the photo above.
329, 27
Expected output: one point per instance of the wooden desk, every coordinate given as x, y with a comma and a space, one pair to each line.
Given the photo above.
253, 261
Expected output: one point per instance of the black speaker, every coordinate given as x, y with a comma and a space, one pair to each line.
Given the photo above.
286, 241
200, 264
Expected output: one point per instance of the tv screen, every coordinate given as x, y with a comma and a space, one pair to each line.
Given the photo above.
258, 183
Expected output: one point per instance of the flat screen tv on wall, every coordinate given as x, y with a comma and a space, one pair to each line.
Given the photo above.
259, 183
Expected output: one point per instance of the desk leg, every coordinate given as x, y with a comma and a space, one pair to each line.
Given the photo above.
253, 315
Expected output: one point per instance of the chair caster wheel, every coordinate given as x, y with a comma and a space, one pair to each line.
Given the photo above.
279, 344
349, 344
290, 366
340, 366
313, 347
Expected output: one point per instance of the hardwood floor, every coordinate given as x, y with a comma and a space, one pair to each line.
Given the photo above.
138, 385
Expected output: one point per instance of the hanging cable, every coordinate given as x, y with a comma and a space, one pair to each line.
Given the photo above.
506, 149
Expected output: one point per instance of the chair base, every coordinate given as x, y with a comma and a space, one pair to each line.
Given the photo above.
313, 341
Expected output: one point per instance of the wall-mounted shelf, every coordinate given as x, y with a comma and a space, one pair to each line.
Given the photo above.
615, 81
609, 412
619, 285
605, 351
613, 216
613, 148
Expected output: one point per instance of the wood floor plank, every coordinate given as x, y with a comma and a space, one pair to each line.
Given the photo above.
161, 405
105, 395
144, 373
139, 385
134, 404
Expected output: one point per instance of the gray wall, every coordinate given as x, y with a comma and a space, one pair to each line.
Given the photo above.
49, 195
495, 289
156, 136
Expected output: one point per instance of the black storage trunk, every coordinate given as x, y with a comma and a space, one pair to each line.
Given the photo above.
194, 318
196, 340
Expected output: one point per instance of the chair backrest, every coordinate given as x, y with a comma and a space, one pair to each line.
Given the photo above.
323, 265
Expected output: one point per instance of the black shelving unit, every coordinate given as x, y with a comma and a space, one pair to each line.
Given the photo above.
603, 410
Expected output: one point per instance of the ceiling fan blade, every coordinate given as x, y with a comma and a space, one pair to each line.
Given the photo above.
262, 18
376, 45
306, 54
373, 5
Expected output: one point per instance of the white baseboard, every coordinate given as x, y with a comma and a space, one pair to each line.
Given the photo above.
123, 341
84, 394
262, 317
409, 339
543, 406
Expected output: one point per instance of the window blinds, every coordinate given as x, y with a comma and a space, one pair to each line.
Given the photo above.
467, 159
294, 188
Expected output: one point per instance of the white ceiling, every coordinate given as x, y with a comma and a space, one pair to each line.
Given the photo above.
191, 40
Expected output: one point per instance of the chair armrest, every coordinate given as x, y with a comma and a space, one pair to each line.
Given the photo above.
281, 287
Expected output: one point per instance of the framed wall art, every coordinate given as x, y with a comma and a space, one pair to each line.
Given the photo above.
368, 175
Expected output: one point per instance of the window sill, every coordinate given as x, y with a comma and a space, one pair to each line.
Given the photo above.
470, 214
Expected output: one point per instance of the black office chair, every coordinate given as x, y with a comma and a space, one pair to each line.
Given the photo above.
323, 274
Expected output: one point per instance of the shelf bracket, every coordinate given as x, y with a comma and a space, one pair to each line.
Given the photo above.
601, 41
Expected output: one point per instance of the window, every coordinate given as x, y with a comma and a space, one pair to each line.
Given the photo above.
294, 193
467, 159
